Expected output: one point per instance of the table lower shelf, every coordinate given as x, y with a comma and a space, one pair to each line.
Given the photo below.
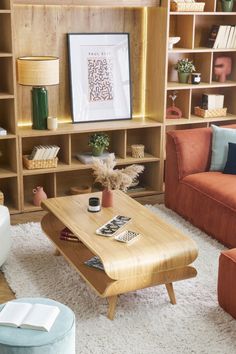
77, 253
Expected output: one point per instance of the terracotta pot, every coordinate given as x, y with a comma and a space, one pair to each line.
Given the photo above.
107, 198
39, 195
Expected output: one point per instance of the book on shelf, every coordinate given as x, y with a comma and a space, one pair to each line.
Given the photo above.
222, 37
25, 315
95, 262
44, 152
3, 131
87, 157
212, 101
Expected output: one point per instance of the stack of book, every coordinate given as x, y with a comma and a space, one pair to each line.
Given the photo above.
67, 235
44, 152
3, 131
222, 36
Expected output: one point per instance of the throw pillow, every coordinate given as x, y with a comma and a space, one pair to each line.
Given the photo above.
230, 167
220, 139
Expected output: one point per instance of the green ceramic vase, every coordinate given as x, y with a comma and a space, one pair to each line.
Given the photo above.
39, 107
98, 151
227, 5
183, 77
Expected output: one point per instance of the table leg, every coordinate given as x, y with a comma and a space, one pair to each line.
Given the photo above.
57, 252
171, 293
112, 301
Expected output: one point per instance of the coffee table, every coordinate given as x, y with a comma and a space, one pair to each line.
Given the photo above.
161, 255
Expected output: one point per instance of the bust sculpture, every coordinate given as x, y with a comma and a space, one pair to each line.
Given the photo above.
222, 68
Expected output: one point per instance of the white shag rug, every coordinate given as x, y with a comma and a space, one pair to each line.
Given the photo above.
145, 321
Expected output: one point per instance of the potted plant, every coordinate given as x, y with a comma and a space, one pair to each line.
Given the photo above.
184, 67
111, 178
99, 142
227, 5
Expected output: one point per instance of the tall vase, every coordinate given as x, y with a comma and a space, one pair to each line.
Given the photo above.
107, 198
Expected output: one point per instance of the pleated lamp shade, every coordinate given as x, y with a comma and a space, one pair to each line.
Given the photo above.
38, 71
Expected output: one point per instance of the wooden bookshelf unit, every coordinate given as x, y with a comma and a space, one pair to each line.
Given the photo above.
40, 28
194, 29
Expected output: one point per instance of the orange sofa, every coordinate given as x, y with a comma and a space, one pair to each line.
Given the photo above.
207, 199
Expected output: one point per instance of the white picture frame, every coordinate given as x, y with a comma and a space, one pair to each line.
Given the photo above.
100, 76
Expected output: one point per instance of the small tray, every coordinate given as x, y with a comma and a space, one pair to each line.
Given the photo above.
210, 113
37, 164
187, 6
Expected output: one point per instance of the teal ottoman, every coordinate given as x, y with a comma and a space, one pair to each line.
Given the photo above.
59, 340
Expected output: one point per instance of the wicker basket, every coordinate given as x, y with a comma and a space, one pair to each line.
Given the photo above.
36, 164
137, 151
1, 198
205, 113
187, 6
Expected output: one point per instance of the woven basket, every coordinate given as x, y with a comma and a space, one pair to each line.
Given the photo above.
1, 198
36, 164
187, 6
205, 113
137, 151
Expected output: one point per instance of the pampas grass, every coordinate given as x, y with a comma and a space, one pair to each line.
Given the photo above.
111, 178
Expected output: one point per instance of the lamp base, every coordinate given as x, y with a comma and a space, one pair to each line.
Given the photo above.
39, 107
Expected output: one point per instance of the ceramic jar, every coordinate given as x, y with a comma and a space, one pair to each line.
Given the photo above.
39, 196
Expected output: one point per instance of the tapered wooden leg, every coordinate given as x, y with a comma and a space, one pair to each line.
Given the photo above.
57, 252
171, 293
112, 301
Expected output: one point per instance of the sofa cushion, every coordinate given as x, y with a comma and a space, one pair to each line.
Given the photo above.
230, 167
216, 185
220, 139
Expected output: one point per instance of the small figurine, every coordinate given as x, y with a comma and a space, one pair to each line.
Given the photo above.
222, 68
173, 112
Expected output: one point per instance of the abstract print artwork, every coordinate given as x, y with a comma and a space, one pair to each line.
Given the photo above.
100, 76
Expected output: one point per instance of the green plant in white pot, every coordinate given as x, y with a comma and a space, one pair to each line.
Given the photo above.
99, 142
184, 67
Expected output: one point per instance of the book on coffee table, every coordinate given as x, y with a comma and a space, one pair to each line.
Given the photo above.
94, 262
25, 315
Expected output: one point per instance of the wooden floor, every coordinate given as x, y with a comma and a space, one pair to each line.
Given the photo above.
5, 292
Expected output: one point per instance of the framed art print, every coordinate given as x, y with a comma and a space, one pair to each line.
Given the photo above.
100, 76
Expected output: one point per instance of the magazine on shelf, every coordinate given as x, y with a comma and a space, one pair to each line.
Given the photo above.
25, 315
94, 262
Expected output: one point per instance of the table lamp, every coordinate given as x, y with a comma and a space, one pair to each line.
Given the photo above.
38, 71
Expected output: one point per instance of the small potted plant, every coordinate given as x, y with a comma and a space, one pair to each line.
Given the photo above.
184, 67
99, 142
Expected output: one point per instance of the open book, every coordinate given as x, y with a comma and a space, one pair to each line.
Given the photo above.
25, 315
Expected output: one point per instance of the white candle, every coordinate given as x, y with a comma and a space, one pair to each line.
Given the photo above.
52, 123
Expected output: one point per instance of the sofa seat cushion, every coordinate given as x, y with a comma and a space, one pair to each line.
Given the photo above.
216, 185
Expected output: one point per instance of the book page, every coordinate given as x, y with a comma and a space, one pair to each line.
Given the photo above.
13, 313
41, 317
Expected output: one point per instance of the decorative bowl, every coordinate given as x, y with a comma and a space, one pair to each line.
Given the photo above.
172, 41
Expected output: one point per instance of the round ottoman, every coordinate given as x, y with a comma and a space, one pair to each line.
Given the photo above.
59, 340
5, 240
226, 281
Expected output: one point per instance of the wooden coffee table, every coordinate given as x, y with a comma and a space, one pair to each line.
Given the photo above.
160, 256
